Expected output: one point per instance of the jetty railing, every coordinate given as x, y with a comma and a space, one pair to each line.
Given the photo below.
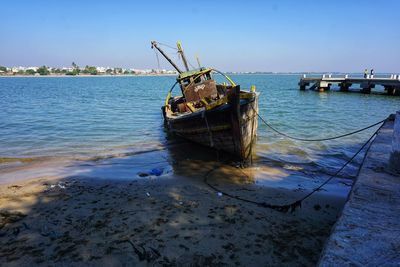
390, 82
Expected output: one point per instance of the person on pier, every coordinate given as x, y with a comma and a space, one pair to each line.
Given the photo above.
365, 73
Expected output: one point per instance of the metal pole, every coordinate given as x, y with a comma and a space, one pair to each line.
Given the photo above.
183, 55
154, 45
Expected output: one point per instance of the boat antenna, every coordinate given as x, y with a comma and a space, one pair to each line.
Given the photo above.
180, 51
198, 60
154, 45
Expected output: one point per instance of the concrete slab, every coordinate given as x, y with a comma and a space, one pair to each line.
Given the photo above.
368, 231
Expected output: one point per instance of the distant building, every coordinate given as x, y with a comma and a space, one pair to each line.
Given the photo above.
140, 71
101, 70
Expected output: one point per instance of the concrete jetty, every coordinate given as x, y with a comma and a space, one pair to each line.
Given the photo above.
390, 83
368, 230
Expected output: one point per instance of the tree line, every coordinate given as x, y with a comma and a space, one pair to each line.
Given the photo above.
75, 70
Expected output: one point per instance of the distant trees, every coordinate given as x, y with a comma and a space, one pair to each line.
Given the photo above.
75, 70
30, 72
90, 70
43, 70
56, 71
117, 70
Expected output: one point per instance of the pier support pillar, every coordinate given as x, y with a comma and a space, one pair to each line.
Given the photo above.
394, 161
303, 85
392, 90
344, 87
389, 90
396, 90
366, 88
324, 86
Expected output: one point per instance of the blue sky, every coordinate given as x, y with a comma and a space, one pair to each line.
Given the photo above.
345, 36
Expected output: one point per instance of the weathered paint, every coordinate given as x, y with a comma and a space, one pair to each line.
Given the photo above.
232, 126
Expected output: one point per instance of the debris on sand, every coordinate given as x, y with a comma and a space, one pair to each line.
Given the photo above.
155, 172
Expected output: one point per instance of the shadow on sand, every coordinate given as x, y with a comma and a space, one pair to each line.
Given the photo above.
109, 215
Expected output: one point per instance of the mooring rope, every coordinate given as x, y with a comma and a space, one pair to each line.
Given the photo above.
167, 45
292, 206
318, 139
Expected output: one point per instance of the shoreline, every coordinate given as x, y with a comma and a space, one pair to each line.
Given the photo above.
105, 214
126, 164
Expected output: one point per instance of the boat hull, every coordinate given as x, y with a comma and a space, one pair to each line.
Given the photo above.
231, 127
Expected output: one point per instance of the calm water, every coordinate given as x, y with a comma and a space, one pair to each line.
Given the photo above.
87, 116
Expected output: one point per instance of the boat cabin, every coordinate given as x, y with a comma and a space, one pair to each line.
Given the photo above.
198, 89
197, 85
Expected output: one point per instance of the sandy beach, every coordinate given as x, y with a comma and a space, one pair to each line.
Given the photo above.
122, 214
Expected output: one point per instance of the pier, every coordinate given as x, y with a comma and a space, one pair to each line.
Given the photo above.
390, 83
368, 230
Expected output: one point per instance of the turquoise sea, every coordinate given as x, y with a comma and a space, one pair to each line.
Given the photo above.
91, 116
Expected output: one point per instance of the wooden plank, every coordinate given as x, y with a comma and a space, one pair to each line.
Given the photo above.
198, 91
234, 102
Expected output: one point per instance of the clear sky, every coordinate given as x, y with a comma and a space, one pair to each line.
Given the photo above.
298, 35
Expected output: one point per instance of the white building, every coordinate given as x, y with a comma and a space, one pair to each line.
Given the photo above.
101, 70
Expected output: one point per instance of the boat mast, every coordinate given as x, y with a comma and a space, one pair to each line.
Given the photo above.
198, 60
180, 51
154, 45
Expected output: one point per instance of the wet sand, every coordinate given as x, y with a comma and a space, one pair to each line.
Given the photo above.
91, 217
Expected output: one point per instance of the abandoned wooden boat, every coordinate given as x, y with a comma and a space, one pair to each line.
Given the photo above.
221, 116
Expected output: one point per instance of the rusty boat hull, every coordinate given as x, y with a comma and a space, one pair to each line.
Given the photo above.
230, 127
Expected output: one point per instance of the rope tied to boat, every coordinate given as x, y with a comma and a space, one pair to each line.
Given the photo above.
317, 139
204, 115
291, 207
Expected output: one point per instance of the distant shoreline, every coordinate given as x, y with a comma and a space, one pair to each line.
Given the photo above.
71, 76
